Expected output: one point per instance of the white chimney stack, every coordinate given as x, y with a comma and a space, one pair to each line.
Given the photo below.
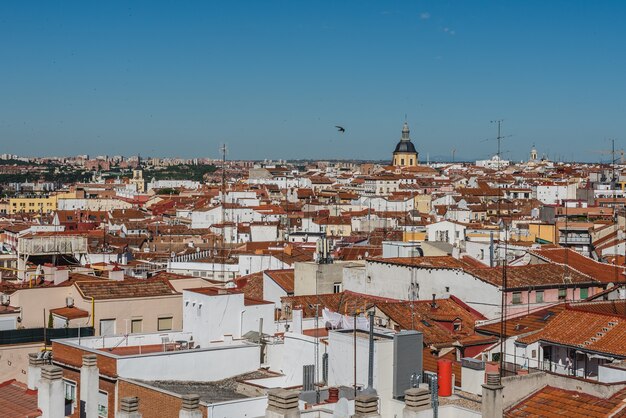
89, 386
50, 396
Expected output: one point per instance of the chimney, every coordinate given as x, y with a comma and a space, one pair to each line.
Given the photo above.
416, 400
89, 386
48, 271
366, 406
333, 395
492, 401
296, 317
190, 407
282, 403
35, 361
116, 274
434, 303
61, 274
129, 408
50, 396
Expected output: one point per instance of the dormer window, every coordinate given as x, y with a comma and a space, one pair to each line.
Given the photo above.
457, 326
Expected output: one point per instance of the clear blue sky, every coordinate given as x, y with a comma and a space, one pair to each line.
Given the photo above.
271, 79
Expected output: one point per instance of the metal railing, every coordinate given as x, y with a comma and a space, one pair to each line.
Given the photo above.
37, 335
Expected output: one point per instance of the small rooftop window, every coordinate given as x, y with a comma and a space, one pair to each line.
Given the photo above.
548, 315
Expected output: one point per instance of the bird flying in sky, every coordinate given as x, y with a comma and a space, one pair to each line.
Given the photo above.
340, 128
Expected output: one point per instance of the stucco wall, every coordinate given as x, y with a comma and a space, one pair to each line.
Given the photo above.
197, 365
393, 281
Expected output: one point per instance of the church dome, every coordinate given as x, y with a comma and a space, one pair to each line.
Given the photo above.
405, 146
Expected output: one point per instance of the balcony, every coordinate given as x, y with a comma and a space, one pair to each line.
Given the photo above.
575, 240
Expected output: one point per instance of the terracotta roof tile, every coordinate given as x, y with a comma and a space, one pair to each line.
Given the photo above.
17, 401
523, 324
435, 323
424, 262
600, 271
345, 302
127, 288
283, 278
251, 285
70, 312
531, 275
587, 331
550, 402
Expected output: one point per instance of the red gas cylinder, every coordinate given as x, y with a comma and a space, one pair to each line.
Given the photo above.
444, 377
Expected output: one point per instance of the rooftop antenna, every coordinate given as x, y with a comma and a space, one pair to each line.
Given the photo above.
613, 161
499, 139
223, 150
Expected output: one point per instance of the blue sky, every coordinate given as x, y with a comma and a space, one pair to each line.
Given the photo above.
272, 78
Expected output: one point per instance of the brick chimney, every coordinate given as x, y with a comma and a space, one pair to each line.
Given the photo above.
50, 396
190, 407
129, 408
89, 386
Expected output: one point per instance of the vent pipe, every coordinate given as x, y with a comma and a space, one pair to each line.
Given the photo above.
370, 369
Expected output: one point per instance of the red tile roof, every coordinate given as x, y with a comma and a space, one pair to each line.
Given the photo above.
531, 275
523, 324
358, 252
251, 285
517, 276
608, 307
551, 402
345, 302
17, 401
283, 278
445, 261
70, 312
435, 323
587, 331
600, 271
128, 288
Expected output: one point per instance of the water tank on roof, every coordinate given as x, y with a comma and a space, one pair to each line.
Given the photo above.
69, 302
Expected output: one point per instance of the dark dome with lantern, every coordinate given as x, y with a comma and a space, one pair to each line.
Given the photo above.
405, 144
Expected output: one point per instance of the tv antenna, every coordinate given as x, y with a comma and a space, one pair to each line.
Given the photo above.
499, 139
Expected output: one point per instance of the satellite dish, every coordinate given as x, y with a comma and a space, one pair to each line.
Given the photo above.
342, 409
